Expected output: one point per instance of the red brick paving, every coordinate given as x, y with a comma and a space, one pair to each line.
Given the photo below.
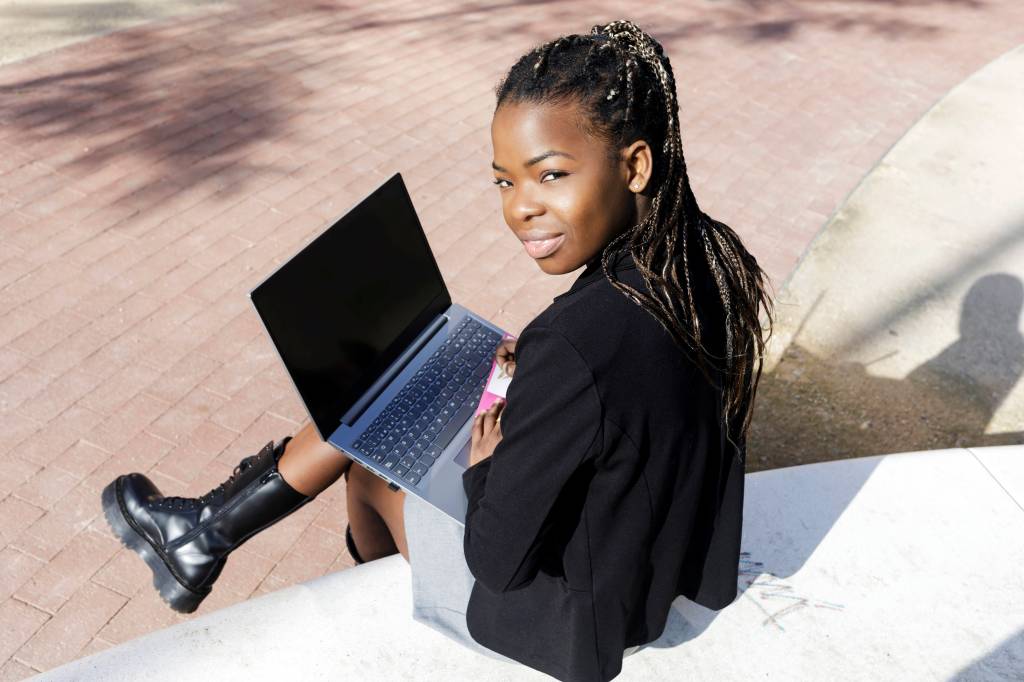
149, 178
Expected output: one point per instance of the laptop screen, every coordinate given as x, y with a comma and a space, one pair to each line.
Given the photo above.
345, 307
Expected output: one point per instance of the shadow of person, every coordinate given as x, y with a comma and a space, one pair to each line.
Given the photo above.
968, 381
814, 409
818, 409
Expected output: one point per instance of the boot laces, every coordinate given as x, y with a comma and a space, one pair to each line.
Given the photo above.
181, 503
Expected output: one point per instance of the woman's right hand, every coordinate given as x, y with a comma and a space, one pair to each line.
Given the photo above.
506, 356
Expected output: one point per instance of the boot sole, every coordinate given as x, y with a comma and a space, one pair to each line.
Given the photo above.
179, 597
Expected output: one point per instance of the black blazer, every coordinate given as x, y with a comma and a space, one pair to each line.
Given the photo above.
612, 491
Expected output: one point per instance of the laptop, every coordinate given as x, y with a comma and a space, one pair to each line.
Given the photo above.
389, 369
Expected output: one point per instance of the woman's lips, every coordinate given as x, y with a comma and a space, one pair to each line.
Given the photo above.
543, 247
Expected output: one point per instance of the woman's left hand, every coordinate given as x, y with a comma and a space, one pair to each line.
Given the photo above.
486, 433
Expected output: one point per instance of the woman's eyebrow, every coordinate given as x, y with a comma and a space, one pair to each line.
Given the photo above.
536, 159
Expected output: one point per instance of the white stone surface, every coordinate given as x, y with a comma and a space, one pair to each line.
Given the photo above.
921, 271
1003, 463
897, 567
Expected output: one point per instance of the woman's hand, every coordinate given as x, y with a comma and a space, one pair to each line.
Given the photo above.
486, 433
506, 356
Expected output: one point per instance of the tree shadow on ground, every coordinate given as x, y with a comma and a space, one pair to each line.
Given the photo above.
186, 118
738, 19
744, 20
196, 104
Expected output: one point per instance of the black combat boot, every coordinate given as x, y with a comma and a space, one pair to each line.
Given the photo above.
184, 540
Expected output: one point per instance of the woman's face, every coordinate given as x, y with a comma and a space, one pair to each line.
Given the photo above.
556, 182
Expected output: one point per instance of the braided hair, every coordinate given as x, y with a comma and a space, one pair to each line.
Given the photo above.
620, 76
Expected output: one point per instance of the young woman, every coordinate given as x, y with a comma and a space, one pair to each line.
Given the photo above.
611, 481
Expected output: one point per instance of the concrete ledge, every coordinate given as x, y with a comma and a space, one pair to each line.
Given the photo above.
894, 567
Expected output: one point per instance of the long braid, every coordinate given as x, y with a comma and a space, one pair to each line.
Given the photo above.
624, 80
637, 42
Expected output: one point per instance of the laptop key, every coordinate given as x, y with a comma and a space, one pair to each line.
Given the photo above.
420, 468
412, 478
400, 470
390, 461
453, 426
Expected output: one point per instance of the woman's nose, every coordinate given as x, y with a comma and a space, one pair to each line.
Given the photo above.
525, 207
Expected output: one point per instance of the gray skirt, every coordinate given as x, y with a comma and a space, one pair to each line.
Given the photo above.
441, 580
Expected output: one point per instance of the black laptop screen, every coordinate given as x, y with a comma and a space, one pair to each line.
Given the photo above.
347, 305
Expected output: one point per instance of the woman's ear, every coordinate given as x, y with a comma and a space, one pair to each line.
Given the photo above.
639, 164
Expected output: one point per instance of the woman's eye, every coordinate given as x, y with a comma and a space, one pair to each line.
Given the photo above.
544, 175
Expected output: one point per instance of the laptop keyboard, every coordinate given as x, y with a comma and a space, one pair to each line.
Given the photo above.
413, 430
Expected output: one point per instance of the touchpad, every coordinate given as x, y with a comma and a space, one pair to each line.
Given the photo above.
462, 458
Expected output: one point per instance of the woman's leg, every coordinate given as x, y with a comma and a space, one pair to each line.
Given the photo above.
309, 464
375, 511
376, 514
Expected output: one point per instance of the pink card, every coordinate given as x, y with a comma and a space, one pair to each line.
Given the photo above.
497, 384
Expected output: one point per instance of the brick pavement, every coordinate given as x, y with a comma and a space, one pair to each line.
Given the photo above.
149, 178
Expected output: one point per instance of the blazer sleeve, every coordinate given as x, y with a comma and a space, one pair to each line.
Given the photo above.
550, 423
